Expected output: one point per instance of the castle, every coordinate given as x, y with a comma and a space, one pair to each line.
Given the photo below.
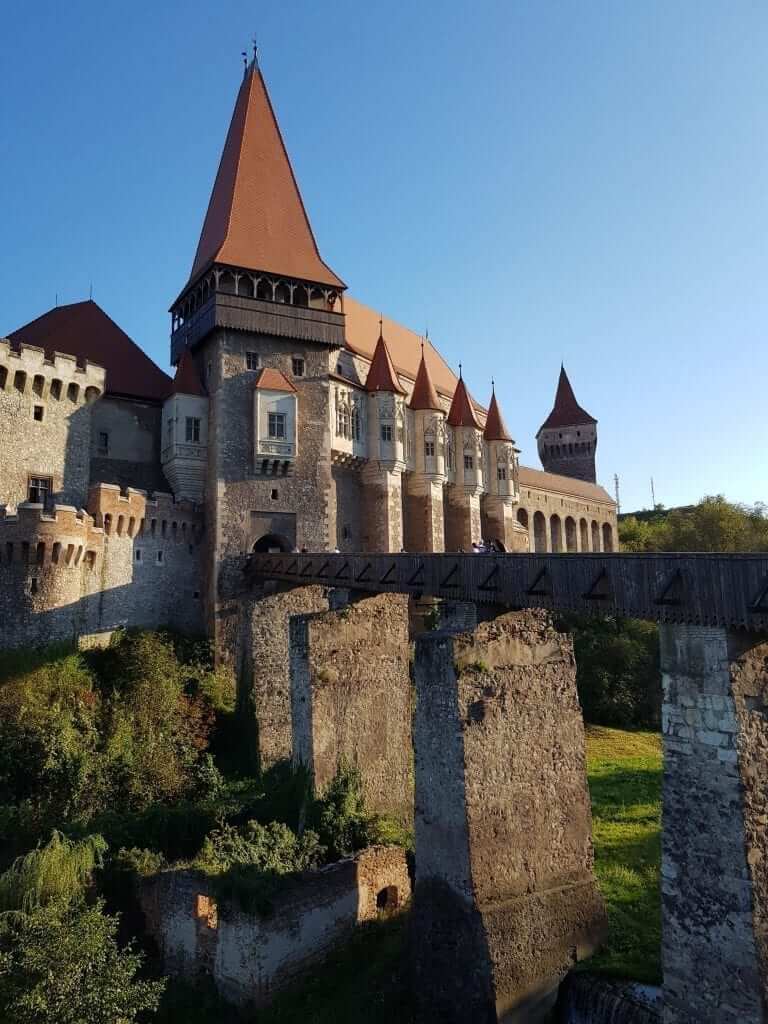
297, 417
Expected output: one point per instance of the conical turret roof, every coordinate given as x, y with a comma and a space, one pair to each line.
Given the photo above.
187, 380
424, 395
495, 427
462, 412
566, 411
256, 218
382, 375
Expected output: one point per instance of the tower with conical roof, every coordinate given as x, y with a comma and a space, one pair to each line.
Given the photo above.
499, 500
425, 484
463, 525
567, 439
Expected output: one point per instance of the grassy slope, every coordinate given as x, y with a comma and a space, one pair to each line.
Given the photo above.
625, 784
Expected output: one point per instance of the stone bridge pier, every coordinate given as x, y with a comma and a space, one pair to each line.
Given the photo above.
715, 825
505, 899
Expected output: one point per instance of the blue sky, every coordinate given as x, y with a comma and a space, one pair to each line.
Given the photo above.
534, 181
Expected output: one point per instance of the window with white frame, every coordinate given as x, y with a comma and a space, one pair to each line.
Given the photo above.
501, 472
386, 432
297, 364
276, 426
429, 449
469, 462
193, 430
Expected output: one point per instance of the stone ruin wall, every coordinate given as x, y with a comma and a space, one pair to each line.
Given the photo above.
72, 575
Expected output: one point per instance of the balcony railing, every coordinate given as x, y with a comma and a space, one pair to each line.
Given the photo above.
276, 449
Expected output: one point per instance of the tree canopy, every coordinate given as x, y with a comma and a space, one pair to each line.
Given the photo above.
714, 524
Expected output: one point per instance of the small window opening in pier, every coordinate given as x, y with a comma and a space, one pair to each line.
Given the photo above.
387, 899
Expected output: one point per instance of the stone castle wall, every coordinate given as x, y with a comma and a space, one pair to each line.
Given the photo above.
128, 562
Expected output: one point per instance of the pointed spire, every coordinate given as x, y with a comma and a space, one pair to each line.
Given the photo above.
187, 380
381, 374
462, 412
566, 411
424, 395
495, 427
256, 218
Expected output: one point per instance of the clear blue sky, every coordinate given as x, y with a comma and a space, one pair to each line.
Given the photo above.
535, 181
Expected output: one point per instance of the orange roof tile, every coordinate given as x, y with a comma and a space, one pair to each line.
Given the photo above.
495, 427
381, 373
424, 395
566, 411
256, 218
562, 485
462, 413
187, 380
270, 379
83, 330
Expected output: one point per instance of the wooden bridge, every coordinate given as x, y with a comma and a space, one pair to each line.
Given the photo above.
699, 589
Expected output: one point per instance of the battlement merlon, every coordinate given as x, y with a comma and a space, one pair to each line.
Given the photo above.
135, 505
36, 536
34, 360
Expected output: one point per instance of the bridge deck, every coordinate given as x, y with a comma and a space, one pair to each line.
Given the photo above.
703, 589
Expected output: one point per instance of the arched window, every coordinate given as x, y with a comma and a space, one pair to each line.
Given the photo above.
595, 536
539, 532
555, 527
607, 537
584, 534
570, 533
522, 517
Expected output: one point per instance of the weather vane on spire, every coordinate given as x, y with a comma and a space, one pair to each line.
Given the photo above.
255, 45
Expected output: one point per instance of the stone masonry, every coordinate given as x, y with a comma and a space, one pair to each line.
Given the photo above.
715, 823
350, 691
505, 898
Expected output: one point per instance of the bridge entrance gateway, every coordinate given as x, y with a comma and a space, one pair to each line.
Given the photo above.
505, 900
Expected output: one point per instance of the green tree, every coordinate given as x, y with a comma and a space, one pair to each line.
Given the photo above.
714, 524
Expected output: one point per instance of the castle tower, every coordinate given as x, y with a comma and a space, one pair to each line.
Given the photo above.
501, 483
463, 522
260, 298
184, 445
383, 473
424, 486
567, 439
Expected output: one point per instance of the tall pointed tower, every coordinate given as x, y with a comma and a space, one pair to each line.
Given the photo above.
463, 525
567, 439
261, 316
502, 489
425, 485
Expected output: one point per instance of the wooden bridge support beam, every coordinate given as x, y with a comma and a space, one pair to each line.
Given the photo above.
351, 697
715, 825
505, 899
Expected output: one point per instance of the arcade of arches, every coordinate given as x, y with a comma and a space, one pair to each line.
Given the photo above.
554, 532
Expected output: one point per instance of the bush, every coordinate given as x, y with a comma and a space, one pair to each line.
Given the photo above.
60, 870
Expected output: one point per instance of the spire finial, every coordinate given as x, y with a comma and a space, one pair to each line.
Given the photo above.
255, 51
460, 377
381, 325
493, 387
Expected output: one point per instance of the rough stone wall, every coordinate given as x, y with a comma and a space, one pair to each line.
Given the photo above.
251, 957
133, 453
264, 685
499, 522
382, 526
463, 525
58, 446
594, 514
349, 509
569, 451
69, 576
350, 691
505, 898
424, 528
233, 488
714, 849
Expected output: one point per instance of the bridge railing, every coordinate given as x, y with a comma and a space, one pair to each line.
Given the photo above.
705, 589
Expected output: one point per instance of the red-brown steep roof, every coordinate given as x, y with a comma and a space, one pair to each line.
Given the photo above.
495, 427
83, 330
381, 373
256, 218
270, 379
187, 380
566, 411
462, 412
424, 395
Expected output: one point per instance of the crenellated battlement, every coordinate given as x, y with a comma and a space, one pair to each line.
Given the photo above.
63, 537
29, 371
134, 513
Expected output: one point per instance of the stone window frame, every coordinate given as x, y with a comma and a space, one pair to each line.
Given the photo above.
469, 461
192, 429
387, 433
37, 408
252, 360
298, 366
277, 423
429, 449
33, 479
501, 472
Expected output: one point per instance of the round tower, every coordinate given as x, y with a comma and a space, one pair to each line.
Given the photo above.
567, 439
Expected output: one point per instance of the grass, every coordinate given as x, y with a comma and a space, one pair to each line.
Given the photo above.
624, 770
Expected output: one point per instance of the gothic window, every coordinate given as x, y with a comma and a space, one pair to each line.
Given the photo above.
297, 364
469, 462
276, 426
342, 421
451, 453
355, 423
501, 472
429, 449
193, 430
39, 489
104, 442
252, 360
386, 431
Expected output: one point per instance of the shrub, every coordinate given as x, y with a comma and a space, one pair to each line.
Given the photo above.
273, 849
60, 870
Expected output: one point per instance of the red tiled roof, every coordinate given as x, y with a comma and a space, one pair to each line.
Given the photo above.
495, 427
381, 373
562, 485
256, 218
462, 412
566, 411
424, 395
270, 379
187, 380
83, 330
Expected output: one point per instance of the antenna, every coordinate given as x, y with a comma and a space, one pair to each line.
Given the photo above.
57, 299
90, 291
616, 492
653, 495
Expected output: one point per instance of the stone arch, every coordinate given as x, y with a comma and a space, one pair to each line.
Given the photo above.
607, 537
272, 542
556, 529
522, 517
539, 532
595, 536
570, 534
584, 534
